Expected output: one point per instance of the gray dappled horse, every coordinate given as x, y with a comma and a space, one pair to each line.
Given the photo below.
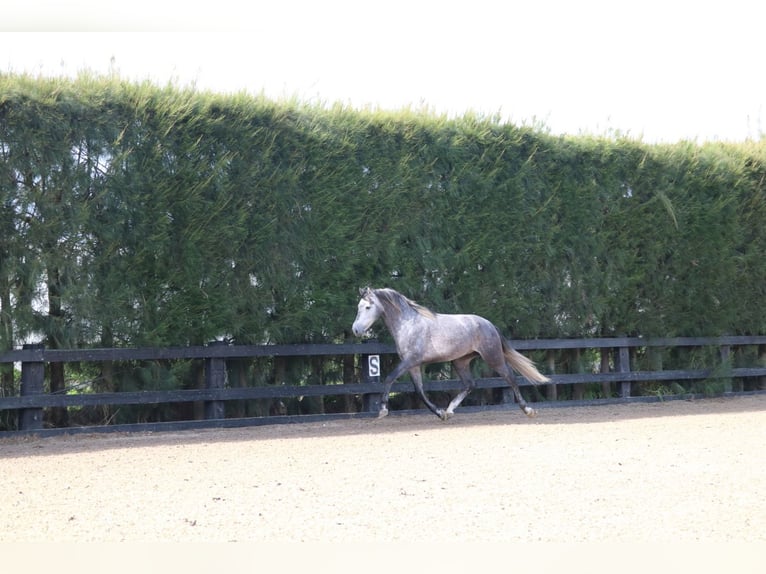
423, 337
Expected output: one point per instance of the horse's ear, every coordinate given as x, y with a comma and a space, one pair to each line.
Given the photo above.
364, 291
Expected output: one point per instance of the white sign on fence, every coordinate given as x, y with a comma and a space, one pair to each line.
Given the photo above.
373, 364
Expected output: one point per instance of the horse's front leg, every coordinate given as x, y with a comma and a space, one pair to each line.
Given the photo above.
417, 379
400, 369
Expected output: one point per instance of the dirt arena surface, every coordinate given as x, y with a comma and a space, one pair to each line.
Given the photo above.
678, 471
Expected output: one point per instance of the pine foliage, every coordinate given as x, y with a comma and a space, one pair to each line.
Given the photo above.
133, 214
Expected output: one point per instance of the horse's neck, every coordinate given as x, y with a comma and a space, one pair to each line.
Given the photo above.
395, 320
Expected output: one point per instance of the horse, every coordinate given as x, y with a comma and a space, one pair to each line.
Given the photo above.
424, 337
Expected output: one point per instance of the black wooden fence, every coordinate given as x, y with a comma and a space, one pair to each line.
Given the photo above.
609, 366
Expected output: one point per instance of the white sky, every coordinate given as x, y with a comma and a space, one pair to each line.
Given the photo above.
660, 70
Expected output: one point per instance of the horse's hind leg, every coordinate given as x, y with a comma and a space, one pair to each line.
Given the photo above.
464, 372
526, 409
417, 380
506, 372
511, 380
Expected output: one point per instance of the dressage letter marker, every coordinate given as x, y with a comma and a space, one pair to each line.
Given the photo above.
371, 401
373, 366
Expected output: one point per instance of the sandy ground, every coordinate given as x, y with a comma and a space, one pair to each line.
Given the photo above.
661, 472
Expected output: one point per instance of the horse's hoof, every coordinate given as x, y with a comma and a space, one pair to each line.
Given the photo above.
530, 412
382, 413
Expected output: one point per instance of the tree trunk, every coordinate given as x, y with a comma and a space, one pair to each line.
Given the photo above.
606, 387
315, 404
58, 416
578, 391
762, 362
349, 376
6, 339
552, 391
106, 380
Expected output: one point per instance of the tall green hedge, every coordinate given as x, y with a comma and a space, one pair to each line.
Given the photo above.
134, 214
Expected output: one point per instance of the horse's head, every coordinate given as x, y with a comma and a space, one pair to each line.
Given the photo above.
368, 311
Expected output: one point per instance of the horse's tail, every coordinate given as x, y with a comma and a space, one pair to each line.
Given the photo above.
522, 364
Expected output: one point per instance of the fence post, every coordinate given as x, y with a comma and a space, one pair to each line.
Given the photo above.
370, 366
32, 383
215, 378
624, 368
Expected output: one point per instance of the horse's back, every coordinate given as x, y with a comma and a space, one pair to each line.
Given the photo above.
454, 336
470, 324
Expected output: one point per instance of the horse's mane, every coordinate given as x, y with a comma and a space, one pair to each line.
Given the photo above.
397, 301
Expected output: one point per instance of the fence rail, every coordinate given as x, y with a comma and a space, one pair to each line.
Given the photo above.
615, 353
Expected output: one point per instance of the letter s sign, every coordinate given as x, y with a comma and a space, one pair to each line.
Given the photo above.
373, 364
